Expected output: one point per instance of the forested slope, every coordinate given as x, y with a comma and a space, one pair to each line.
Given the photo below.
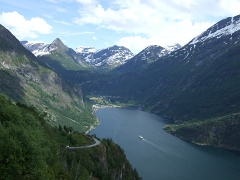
31, 149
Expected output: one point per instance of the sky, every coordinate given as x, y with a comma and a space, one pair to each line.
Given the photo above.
134, 24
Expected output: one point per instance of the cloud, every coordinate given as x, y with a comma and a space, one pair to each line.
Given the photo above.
74, 33
136, 43
62, 22
61, 10
59, 1
153, 21
23, 28
181, 32
230, 6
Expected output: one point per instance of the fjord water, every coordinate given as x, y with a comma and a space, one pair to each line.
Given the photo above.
160, 155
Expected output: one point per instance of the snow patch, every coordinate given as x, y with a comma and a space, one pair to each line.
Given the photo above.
229, 29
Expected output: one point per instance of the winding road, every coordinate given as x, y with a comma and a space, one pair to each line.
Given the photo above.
97, 142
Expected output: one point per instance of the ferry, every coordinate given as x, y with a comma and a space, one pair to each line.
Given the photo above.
140, 137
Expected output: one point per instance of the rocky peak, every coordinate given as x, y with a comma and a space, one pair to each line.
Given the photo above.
57, 44
173, 47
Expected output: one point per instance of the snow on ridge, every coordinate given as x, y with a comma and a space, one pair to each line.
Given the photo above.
38, 48
229, 29
83, 49
110, 56
40, 53
173, 47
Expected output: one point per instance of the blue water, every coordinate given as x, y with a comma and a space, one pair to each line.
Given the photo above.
160, 155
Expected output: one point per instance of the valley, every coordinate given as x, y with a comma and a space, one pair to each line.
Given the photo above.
196, 85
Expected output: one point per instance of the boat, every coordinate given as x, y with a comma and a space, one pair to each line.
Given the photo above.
140, 137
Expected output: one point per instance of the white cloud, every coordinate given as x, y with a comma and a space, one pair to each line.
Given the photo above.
94, 38
174, 32
61, 10
153, 21
59, 1
62, 22
232, 7
23, 28
136, 43
74, 33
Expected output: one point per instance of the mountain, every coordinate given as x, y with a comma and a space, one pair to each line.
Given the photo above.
24, 80
173, 47
198, 82
110, 57
56, 54
146, 57
85, 52
40, 49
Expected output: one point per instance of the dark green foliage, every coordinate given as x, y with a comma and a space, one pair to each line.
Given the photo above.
106, 161
220, 132
31, 149
27, 148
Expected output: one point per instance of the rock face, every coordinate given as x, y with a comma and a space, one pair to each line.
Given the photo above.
147, 56
56, 51
24, 80
110, 57
40, 49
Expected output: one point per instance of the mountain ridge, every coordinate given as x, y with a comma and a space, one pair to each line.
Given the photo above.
145, 57
196, 83
25, 81
112, 56
109, 57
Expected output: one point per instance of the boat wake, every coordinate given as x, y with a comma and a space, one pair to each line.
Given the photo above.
152, 144
158, 147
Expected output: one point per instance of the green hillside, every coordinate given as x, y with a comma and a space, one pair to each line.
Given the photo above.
219, 132
24, 80
31, 149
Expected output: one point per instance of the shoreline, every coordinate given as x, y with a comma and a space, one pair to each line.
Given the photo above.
93, 126
95, 107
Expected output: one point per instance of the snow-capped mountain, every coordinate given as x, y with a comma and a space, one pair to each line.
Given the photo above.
62, 54
85, 53
224, 27
154, 51
151, 53
201, 77
109, 57
221, 35
86, 50
105, 58
40, 49
147, 56
173, 47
